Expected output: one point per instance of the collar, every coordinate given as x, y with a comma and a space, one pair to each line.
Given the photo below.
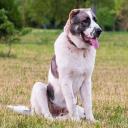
71, 42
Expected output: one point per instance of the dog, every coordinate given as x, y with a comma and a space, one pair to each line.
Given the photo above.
70, 72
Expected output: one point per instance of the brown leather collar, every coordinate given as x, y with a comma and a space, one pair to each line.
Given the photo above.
71, 42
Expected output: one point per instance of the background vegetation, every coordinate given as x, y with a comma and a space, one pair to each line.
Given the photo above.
17, 14
112, 14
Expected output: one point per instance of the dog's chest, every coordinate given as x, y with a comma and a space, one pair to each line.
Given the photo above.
74, 64
80, 63
74, 61
77, 66
80, 68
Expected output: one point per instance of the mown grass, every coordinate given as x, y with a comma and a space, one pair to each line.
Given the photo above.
29, 62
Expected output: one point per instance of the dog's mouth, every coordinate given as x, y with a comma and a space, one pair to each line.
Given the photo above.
91, 41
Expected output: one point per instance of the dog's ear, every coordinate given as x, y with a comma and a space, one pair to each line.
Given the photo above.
73, 13
93, 9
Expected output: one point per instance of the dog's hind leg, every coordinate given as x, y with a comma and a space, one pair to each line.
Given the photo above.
39, 101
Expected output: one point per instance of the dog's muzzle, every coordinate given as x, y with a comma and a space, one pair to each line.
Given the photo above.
97, 32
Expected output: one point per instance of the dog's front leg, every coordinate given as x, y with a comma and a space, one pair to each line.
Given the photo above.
67, 91
86, 95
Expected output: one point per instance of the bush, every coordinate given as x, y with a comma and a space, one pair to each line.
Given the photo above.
6, 26
13, 11
25, 31
123, 17
7, 30
106, 18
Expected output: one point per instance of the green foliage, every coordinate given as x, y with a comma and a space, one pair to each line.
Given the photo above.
6, 26
123, 16
54, 13
112, 14
118, 6
8, 32
51, 13
106, 18
13, 12
25, 31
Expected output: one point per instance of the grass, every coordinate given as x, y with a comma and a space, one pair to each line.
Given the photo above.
29, 62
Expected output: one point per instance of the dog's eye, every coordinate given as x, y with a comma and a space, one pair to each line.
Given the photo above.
94, 18
87, 20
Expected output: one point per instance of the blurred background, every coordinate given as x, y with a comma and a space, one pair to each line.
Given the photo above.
112, 14
20, 17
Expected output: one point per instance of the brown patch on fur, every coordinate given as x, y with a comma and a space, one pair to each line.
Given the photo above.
56, 110
54, 67
73, 13
50, 92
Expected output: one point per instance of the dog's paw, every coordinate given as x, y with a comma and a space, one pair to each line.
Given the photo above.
90, 118
75, 116
49, 117
93, 121
77, 119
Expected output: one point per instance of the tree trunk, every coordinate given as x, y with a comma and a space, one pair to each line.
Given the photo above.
9, 49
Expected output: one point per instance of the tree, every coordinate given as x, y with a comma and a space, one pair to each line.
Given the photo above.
122, 15
12, 7
7, 30
51, 13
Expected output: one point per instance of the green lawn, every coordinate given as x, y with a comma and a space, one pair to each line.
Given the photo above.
29, 62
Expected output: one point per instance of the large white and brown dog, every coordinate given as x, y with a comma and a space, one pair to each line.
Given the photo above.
70, 71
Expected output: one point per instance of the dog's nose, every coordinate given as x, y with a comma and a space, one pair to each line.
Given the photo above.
98, 32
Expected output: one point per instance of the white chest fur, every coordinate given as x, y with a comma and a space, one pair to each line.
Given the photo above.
73, 61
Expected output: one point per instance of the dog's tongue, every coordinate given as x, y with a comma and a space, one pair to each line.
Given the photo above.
94, 42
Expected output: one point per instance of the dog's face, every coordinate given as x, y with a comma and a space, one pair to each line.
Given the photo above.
83, 24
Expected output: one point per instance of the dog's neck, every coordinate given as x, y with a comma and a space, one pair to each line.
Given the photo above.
73, 47
71, 42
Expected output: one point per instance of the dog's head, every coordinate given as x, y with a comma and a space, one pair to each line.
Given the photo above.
83, 28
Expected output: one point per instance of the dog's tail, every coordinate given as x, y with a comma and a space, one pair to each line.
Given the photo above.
20, 109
